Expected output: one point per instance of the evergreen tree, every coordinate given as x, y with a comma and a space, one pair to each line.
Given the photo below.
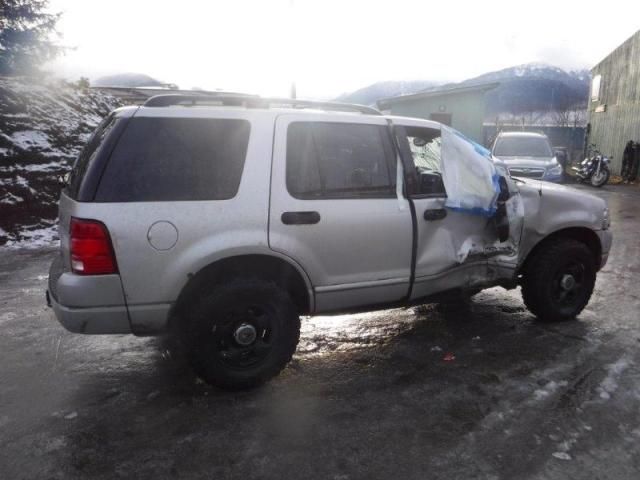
26, 30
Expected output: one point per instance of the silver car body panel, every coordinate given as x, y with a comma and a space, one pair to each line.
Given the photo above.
359, 254
207, 230
95, 320
452, 252
551, 207
361, 248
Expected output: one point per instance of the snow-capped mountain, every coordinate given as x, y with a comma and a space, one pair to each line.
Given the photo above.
531, 70
370, 94
43, 127
126, 80
532, 86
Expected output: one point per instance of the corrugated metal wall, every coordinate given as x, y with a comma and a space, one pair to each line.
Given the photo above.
620, 96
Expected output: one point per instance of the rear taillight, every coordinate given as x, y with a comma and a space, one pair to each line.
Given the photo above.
91, 250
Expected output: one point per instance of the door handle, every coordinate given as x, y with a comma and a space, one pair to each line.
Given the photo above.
300, 218
435, 214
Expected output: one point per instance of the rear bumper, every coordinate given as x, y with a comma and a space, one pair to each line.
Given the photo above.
87, 304
95, 320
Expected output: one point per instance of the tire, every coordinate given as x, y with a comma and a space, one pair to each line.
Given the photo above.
546, 287
602, 179
242, 334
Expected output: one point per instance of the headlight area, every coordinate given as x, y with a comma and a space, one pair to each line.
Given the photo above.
554, 171
606, 220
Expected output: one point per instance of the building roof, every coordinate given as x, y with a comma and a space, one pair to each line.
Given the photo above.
437, 92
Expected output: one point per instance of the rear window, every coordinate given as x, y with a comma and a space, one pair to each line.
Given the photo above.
172, 159
89, 153
522, 147
339, 160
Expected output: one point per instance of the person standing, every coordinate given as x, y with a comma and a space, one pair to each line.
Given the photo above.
628, 160
635, 163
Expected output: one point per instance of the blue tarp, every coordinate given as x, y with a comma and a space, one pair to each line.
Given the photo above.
469, 175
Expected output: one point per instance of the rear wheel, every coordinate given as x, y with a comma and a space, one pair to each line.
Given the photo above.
242, 334
559, 280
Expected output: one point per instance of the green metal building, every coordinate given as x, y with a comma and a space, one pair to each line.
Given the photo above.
614, 106
461, 107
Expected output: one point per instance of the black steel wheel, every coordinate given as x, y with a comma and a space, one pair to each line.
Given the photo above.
559, 280
242, 334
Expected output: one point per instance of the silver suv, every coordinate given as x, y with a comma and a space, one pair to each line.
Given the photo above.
224, 218
529, 155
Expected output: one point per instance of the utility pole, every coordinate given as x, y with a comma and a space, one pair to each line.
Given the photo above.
292, 91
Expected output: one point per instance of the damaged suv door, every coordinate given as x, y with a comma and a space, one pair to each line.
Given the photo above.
454, 242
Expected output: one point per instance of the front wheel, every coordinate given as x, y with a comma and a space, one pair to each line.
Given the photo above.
558, 280
242, 334
600, 178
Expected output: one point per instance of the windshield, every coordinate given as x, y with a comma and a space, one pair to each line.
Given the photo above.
522, 147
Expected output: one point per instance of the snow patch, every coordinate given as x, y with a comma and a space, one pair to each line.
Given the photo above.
7, 317
11, 199
55, 444
548, 389
28, 139
38, 238
561, 455
46, 167
44, 125
610, 383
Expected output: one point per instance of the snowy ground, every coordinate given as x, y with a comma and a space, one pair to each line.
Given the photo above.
43, 126
45, 237
484, 392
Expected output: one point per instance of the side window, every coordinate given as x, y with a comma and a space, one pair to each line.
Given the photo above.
425, 145
172, 159
339, 160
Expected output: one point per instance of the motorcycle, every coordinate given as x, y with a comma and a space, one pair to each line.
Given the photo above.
594, 169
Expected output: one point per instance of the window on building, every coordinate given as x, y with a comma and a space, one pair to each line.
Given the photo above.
595, 88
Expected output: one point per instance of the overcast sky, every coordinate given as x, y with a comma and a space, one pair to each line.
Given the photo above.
329, 47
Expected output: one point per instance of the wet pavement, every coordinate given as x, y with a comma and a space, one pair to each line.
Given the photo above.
481, 391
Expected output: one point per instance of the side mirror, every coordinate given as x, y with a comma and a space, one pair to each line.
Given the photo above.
430, 183
419, 142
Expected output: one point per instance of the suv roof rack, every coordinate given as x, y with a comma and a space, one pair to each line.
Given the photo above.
252, 101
